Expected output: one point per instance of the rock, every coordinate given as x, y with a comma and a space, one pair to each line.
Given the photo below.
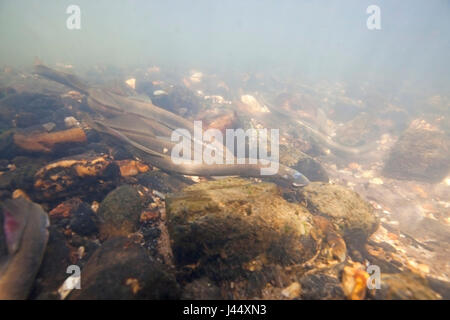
292, 291
294, 158
336, 247
352, 216
441, 287
30, 109
131, 167
251, 105
201, 289
84, 220
159, 92
5, 91
18, 193
52, 272
404, 286
179, 100
64, 210
321, 287
421, 153
120, 269
312, 169
221, 119
7, 147
22, 177
4, 164
120, 211
121, 153
358, 131
71, 122
131, 83
224, 225
49, 126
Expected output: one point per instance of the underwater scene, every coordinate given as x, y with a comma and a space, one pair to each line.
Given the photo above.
224, 150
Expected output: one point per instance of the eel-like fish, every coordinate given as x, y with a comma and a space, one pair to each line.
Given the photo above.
23, 239
150, 128
287, 117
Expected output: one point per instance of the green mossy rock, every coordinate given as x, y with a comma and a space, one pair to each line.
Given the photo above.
120, 211
223, 224
419, 154
352, 216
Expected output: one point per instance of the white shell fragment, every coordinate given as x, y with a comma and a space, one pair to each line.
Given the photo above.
71, 122
131, 83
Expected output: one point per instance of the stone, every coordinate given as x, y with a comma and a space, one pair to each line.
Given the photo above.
84, 220
421, 153
120, 211
292, 291
308, 166
321, 287
123, 270
352, 216
53, 267
22, 176
201, 289
223, 225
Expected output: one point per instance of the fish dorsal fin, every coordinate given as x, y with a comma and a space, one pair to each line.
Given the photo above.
15, 217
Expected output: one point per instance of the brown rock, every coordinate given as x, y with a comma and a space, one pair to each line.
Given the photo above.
421, 153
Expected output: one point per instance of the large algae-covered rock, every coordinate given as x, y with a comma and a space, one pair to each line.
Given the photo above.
223, 225
120, 211
352, 216
421, 153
